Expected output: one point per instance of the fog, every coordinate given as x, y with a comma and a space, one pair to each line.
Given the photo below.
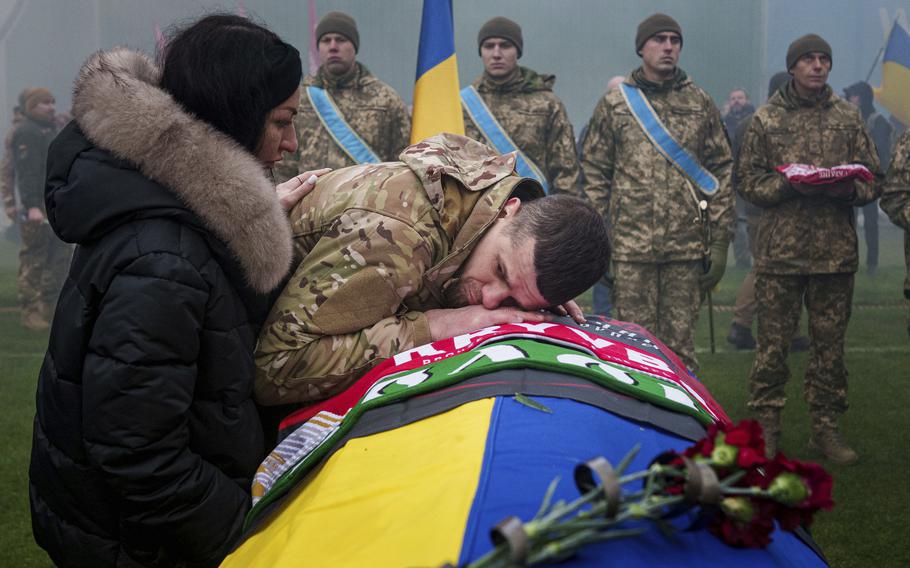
727, 43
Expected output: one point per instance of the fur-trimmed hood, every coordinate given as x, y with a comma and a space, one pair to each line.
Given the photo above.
120, 108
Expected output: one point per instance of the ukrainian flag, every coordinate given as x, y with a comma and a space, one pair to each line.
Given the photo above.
894, 93
437, 105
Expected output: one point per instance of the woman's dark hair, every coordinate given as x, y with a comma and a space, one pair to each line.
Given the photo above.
230, 72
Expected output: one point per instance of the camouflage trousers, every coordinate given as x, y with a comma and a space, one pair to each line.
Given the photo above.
829, 300
663, 298
43, 264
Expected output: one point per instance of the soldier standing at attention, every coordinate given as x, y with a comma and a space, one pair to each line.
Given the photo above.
807, 244
43, 259
346, 115
7, 172
511, 107
658, 167
896, 198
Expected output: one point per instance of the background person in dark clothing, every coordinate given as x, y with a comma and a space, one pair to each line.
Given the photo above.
146, 437
43, 258
737, 112
860, 94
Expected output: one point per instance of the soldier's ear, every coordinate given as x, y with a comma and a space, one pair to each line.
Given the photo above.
510, 208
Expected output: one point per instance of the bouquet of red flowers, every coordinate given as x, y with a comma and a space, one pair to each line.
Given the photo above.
740, 493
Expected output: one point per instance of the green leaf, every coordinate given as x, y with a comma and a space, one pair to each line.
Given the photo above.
527, 401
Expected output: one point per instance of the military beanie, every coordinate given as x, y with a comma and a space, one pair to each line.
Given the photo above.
654, 24
36, 96
807, 44
501, 27
339, 23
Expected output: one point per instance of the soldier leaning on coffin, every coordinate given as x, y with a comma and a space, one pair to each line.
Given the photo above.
395, 255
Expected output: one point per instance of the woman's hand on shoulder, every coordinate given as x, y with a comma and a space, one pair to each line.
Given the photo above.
293, 190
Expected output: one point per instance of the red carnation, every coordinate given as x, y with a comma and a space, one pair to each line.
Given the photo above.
819, 485
756, 533
747, 436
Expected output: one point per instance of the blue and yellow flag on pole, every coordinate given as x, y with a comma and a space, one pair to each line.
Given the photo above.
437, 106
894, 93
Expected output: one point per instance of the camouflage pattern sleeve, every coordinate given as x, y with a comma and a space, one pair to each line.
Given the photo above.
598, 157
896, 195
399, 128
865, 154
341, 312
7, 176
758, 182
562, 158
718, 159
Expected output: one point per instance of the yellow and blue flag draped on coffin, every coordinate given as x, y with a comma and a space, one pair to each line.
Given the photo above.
435, 447
437, 106
894, 93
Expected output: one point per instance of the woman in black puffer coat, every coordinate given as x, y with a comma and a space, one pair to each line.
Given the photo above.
146, 437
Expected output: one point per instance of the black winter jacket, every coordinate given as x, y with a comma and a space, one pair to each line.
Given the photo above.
146, 437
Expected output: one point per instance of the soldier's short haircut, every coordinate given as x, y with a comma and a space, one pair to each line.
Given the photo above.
230, 72
572, 248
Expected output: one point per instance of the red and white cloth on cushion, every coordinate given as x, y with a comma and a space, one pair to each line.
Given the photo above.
805, 173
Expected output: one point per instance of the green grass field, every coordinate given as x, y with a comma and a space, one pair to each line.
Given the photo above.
870, 516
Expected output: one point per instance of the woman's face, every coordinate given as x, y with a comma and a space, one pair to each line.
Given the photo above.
279, 135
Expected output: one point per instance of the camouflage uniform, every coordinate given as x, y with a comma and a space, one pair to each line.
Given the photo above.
806, 245
535, 119
896, 198
7, 171
377, 245
43, 259
656, 228
369, 106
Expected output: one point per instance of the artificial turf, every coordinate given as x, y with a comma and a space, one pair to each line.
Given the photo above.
866, 528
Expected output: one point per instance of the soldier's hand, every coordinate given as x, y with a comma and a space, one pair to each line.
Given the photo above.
293, 190
35, 214
807, 189
717, 265
841, 190
570, 309
457, 321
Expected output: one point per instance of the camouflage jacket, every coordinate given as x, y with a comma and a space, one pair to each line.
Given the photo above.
651, 208
799, 234
30, 142
536, 120
7, 172
896, 195
369, 106
377, 245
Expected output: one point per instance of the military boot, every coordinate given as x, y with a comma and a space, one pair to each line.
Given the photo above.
740, 337
769, 419
33, 320
826, 439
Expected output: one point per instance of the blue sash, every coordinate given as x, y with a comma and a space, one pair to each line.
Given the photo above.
664, 142
338, 128
496, 135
